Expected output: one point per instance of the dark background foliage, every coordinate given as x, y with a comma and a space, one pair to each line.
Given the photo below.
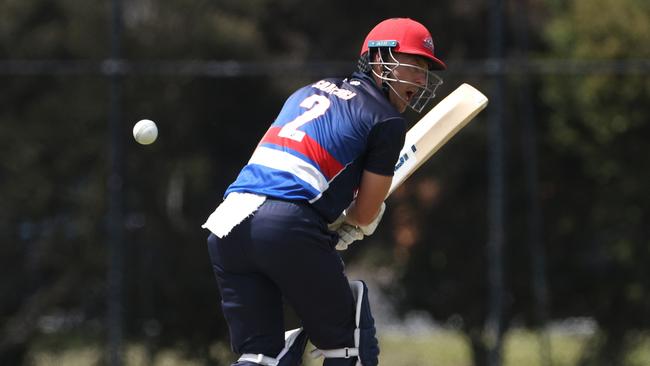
590, 124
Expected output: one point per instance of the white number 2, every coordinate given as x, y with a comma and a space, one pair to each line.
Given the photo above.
316, 106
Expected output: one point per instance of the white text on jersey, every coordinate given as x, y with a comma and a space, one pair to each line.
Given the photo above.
330, 88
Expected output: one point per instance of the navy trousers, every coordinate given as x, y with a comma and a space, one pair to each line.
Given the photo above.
284, 251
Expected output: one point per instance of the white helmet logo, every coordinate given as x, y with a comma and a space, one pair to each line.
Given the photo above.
428, 43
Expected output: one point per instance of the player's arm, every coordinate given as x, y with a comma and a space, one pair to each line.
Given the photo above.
384, 144
371, 195
365, 212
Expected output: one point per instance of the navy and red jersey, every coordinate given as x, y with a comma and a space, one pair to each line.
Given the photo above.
326, 134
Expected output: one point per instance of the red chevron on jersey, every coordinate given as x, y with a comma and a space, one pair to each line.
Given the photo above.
308, 147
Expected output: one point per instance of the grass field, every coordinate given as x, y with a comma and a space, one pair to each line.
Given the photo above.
448, 348
440, 348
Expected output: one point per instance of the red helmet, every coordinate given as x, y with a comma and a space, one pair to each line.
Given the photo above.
403, 35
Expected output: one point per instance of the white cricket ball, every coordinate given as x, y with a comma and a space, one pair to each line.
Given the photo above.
145, 132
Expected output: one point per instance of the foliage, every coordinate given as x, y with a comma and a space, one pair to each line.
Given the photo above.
595, 200
54, 165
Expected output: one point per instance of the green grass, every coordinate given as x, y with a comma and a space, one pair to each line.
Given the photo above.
443, 348
440, 348
449, 348
524, 348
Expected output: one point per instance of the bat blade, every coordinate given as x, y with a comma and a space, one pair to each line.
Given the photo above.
433, 130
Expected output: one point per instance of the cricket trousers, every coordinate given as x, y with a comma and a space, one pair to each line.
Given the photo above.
283, 251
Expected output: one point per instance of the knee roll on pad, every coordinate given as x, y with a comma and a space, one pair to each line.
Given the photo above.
366, 346
295, 341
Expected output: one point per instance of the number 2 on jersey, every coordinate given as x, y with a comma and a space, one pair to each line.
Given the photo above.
316, 106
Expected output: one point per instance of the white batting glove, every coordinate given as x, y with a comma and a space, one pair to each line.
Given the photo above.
347, 235
338, 222
367, 230
371, 227
350, 233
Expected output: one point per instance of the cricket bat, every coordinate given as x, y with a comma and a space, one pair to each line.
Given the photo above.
433, 130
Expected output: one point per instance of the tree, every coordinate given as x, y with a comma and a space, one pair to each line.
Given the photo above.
594, 174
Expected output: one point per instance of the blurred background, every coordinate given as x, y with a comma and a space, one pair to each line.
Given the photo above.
524, 241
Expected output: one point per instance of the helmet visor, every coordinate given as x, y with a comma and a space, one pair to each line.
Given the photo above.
422, 89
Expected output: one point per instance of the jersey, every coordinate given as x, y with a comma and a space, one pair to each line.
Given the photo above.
326, 134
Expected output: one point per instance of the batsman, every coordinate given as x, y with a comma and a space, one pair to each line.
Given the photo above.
315, 183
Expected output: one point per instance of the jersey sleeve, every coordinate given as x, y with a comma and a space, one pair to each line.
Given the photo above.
385, 142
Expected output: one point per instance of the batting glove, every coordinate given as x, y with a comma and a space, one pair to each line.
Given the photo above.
371, 227
350, 233
334, 226
347, 235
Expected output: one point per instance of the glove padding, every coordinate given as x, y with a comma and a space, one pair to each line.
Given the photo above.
371, 227
350, 233
334, 226
347, 235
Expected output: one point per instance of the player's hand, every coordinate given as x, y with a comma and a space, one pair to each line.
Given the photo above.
370, 228
367, 230
338, 222
347, 235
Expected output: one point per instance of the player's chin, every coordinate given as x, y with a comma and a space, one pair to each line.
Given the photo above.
404, 103
399, 101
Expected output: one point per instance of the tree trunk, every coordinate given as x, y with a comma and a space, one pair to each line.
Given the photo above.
479, 351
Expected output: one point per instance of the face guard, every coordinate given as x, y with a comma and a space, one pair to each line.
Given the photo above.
422, 94
402, 36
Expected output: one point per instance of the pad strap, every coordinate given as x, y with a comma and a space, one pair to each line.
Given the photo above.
335, 353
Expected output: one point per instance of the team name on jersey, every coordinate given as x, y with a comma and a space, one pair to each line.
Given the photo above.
330, 88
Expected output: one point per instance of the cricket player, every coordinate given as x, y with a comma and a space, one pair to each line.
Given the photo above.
315, 183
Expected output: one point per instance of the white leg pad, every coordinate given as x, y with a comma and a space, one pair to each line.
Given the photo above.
290, 337
347, 352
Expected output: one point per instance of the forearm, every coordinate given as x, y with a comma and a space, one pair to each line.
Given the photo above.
372, 192
358, 217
